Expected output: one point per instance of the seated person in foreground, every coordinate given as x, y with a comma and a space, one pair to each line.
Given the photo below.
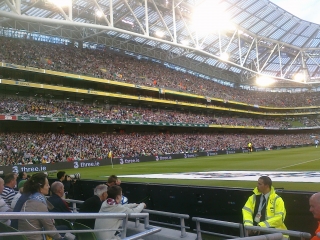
113, 205
8, 193
3, 206
36, 188
93, 204
59, 204
18, 195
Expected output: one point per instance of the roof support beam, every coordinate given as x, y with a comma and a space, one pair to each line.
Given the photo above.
162, 20
100, 9
146, 14
63, 13
14, 6
271, 53
134, 16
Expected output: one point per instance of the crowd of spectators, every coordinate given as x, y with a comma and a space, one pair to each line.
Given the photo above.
35, 106
29, 148
111, 65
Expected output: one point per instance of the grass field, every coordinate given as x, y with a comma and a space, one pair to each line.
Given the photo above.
296, 159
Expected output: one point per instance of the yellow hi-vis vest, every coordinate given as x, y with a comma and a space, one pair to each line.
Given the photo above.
275, 211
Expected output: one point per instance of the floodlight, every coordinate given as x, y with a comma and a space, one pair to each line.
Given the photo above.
99, 13
224, 56
60, 3
264, 81
299, 77
159, 33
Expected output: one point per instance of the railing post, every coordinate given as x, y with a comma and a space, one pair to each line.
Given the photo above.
74, 207
199, 237
146, 222
183, 228
137, 222
241, 231
124, 227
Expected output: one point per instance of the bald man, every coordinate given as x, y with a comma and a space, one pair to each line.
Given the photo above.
56, 199
314, 203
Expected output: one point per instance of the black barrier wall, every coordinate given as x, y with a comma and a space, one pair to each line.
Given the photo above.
208, 202
126, 160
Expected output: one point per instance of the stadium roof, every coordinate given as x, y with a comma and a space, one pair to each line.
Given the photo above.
234, 40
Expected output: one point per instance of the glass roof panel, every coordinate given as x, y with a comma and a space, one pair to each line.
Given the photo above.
300, 41
259, 26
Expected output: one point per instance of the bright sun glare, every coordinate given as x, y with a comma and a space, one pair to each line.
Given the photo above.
60, 3
209, 17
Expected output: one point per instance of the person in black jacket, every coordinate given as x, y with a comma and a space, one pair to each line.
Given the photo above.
93, 204
67, 183
56, 199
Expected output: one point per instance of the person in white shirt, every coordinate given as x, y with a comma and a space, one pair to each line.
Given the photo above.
113, 205
10, 182
3, 205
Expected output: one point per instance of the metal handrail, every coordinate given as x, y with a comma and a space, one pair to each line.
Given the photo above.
272, 236
47, 215
182, 217
74, 204
143, 234
216, 222
301, 235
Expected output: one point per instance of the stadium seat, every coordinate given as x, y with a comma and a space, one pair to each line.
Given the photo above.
63, 222
83, 236
4, 228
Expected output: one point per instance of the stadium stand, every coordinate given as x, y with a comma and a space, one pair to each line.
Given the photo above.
46, 107
108, 64
267, 119
54, 147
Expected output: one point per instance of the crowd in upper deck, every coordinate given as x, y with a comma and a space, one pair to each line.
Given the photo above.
28, 148
16, 105
113, 66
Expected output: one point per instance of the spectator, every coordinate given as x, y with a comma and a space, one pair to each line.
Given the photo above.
93, 204
56, 199
314, 203
10, 182
3, 205
21, 176
36, 188
18, 195
112, 205
67, 182
113, 180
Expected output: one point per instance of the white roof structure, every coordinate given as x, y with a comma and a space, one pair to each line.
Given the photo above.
233, 40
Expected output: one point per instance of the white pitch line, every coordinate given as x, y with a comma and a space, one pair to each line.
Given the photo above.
298, 163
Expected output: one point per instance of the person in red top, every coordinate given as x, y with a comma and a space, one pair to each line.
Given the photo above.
314, 203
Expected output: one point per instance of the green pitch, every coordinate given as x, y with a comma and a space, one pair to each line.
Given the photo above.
296, 159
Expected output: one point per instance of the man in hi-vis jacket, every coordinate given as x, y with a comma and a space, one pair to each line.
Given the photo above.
264, 208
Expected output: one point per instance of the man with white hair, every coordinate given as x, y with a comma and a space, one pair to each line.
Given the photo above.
56, 199
3, 205
93, 204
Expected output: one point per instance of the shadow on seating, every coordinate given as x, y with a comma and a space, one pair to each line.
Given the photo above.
83, 236
63, 222
5, 228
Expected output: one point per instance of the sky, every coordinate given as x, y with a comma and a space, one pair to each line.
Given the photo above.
304, 9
